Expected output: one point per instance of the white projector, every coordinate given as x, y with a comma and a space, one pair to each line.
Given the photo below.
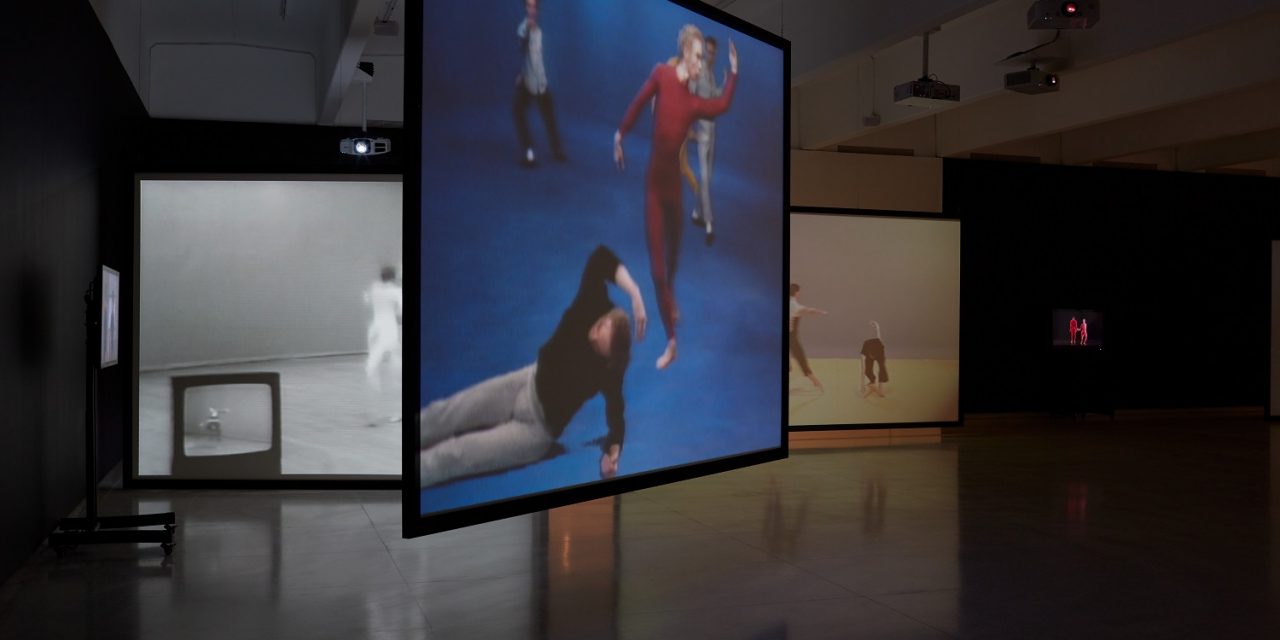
364, 146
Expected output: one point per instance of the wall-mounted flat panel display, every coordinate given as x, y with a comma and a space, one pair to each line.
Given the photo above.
602, 243
1080, 328
874, 333
294, 278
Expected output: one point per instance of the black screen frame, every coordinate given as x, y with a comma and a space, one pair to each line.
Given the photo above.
415, 524
906, 215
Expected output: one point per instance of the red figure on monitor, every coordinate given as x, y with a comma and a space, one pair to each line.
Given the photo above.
1084, 331
1074, 328
675, 111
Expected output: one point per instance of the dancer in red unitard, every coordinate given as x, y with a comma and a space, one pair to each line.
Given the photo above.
675, 111
1074, 328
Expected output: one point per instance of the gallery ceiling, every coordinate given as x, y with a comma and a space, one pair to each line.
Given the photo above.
1168, 84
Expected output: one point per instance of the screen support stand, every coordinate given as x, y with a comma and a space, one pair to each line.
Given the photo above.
95, 529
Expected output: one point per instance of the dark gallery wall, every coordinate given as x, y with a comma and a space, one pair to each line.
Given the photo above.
67, 114
1178, 262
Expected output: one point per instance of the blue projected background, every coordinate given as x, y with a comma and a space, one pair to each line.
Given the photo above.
503, 245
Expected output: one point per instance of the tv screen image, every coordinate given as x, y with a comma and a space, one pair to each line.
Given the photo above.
110, 322
875, 320
602, 240
299, 276
226, 426
1079, 328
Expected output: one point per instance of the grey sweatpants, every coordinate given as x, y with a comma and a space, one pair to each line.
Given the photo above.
497, 424
705, 135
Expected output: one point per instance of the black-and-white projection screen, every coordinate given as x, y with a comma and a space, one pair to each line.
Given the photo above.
874, 335
601, 226
298, 276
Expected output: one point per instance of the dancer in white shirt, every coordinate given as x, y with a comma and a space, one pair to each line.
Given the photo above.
797, 349
386, 299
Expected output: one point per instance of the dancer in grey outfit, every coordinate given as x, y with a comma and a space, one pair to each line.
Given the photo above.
705, 86
532, 88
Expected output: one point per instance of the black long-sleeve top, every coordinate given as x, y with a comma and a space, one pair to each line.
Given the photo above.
570, 372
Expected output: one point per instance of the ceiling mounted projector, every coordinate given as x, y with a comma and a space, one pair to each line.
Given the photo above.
364, 146
1031, 81
1064, 14
928, 91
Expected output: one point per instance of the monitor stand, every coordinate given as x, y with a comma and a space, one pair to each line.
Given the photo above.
95, 529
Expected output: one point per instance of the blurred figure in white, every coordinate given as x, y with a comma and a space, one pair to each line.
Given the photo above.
386, 299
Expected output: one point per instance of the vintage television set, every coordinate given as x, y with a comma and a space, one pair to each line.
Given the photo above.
226, 426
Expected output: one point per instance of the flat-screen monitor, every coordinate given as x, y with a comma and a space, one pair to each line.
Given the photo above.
109, 341
1078, 329
874, 320
598, 204
297, 276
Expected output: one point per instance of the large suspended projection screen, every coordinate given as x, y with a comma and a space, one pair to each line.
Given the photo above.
293, 283
875, 320
579, 322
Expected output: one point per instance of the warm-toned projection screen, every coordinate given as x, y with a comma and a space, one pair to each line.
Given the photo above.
527, 213
299, 277
1274, 404
887, 349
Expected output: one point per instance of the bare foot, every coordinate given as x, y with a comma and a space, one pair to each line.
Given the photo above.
669, 355
817, 383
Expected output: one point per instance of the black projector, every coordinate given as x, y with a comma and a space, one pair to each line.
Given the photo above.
1031, 81
926, 93
1064, 14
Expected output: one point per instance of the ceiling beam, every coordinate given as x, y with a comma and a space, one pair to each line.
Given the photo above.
1231, 151
334, 81
1222, 116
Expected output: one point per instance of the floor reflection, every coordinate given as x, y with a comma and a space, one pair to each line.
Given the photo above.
1015, 529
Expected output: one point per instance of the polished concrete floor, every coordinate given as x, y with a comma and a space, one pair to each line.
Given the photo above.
1006, 528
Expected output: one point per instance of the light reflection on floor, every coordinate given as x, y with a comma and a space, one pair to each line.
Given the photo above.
1022, 528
